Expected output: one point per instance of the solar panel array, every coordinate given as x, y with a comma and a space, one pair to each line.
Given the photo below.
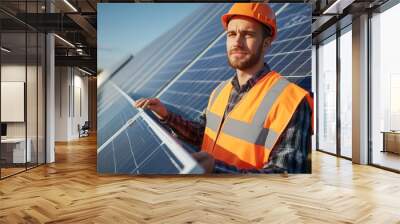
181, 68
290, 55
114, 116
152, 157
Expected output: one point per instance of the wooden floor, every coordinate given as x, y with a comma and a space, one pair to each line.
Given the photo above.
387, 159
70, 191
10, 171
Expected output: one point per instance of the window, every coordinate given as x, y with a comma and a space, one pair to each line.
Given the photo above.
327, 96
346, 93
385, 89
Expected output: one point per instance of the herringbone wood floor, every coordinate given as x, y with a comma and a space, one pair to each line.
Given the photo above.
70, 191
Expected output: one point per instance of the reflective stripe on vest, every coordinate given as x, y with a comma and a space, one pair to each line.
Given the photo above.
250, 131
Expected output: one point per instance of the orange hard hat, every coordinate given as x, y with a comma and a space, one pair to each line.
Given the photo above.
258, 11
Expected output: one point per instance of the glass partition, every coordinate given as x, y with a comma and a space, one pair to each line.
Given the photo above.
13, 105
22, 88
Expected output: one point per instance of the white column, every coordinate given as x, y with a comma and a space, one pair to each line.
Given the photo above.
360, 90
50, 93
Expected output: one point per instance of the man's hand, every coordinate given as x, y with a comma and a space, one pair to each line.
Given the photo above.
206, 160
153, 104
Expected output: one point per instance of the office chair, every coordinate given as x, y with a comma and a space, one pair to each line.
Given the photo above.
84, 130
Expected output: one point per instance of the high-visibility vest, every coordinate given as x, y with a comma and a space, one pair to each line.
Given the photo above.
250, 131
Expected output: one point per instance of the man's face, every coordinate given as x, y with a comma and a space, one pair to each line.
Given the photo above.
244, 42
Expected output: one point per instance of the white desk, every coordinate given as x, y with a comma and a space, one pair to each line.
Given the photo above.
18, 149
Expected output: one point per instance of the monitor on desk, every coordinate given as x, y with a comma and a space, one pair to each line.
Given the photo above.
3, 130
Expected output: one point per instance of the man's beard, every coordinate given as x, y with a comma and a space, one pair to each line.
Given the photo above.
248, 63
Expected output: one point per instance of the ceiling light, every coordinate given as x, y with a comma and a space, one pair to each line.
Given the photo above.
5, 49
329, 9
86, 72
64, 40
71, 6
337, 7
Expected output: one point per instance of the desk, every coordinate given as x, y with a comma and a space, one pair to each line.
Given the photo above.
391, 141
13, 150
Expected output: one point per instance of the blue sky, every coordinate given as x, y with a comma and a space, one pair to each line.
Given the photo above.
125, 28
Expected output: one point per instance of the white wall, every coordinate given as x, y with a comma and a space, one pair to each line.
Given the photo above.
79, 115
33, 127
71, 93
61, 103
12, 73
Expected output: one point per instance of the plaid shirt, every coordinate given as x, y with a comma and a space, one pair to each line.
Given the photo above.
290, 154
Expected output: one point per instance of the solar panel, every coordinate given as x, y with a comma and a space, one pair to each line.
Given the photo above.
167, 55
140, 150
290, 54
181, 68
189, 94
141, 146
152, 66
112, 117
198, 40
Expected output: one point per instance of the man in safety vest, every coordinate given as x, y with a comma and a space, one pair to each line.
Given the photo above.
256, 122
